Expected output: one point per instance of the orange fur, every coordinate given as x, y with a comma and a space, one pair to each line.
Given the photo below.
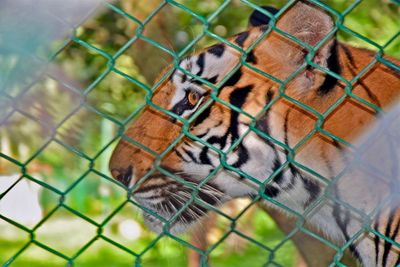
155, 130
280, 57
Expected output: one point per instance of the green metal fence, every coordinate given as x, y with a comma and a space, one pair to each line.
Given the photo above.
60, 195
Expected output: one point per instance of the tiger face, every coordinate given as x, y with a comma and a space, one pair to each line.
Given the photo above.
235, 122
198, 154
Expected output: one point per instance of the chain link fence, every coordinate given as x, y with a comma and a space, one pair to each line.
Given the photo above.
69, 197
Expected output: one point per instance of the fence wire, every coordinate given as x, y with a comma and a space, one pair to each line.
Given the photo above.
60, 195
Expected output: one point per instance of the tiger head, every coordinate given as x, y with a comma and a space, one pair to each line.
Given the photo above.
232, 118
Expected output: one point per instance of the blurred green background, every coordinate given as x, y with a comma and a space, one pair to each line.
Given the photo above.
87, 103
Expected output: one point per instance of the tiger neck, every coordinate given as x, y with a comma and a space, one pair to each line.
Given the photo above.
341, 118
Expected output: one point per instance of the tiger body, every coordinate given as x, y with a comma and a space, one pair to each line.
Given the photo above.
273, 137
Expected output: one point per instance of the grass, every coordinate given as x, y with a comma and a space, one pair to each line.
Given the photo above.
68, 235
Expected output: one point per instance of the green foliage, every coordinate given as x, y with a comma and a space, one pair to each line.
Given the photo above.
79, 107
166, 252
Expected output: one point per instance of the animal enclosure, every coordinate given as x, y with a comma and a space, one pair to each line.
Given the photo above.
60, 123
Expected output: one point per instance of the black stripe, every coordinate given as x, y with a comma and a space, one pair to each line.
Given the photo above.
352, 247
203, 134
313, 189
292, 169
387, 245
271, 191
184, 78
310, 186
230, 82
333, 65
179, 154
217, 50
154, 186
234, 79
243, 157
221, 141
237, 99
241, 38
356, 254
202, 116
276, 165
200, 62
370, 94
212, 80
336, 213
190, 154
352, 67
396, 231
238, 96
262, 124
257, 18
398, 261
394, 235
203, 157
348, 54
337, 144
251, 58
376, 240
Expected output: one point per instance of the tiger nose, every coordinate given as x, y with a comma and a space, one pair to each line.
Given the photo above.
124, 175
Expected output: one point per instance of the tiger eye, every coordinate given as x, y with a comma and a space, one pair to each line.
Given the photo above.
193, 98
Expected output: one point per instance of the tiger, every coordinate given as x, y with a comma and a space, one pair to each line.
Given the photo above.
269, 113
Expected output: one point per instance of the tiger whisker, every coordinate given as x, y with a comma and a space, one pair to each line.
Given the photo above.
182, 199
176, 209
189, 209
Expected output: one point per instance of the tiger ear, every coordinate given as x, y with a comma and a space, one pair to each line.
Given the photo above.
306, 22
309, 24
257, 18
